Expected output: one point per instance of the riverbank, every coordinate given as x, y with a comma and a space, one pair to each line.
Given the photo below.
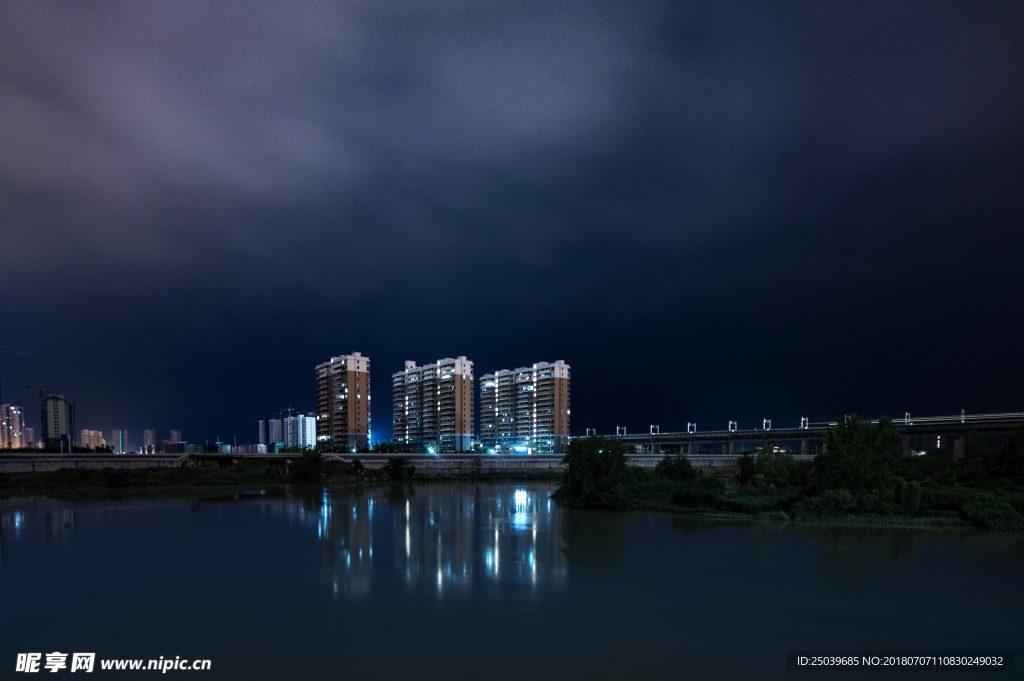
214, 482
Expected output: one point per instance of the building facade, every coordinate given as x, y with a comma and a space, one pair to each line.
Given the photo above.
148, 438
343, 403
432, 405
526, 410
91, 439
299, 431
12, 425
119, 441
271, 433
59, 420
30, 437
176, 436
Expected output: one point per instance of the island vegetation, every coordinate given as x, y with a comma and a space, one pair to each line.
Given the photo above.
861, 477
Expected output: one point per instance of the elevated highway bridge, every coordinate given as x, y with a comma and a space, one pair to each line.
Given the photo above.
944, 435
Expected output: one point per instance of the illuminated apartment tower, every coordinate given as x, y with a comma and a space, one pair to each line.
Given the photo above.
497, 410
11, 425
432, 405
343, 402
526, 409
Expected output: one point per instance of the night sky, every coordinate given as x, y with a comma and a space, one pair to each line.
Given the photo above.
711, 211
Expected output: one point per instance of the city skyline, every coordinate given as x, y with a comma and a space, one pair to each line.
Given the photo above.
733, 199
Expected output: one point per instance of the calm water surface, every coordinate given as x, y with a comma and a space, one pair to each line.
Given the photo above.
483, 581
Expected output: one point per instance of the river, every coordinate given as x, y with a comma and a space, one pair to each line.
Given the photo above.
485, 581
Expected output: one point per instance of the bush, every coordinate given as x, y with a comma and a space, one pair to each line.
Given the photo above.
596, 475
992, 513
910, 497
753, 504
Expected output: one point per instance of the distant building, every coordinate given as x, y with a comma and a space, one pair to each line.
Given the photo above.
119, 441
168, 446
91, 439
59, 420
148, 438
30, 437
249, 449
271, 432
299, 431
12, 423
432, 405
175, 436
343, 402
526, 410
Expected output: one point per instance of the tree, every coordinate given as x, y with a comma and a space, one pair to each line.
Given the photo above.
776, 467
859, 455
676, 468
309, 468
596, 474
748, 468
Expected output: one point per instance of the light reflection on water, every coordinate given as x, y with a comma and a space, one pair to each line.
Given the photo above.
471, 563
448, 538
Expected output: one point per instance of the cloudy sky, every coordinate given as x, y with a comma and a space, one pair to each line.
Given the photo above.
711, 211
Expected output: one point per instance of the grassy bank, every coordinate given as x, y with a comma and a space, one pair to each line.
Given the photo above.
861, 480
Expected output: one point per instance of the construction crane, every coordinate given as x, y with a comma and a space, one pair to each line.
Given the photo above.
43, 390
8, 352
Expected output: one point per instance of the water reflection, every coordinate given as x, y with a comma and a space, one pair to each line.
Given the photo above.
445, 536
594, 540
852, 557
451, 538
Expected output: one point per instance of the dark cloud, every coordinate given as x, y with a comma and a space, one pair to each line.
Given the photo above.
758, 210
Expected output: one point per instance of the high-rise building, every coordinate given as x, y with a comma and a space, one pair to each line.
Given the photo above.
299, 431
271, 433
12, 423
30, 437
59, 420
527, 409
432, 405
497, 410
91, 439
119, 441
343, 402
175, 436
148, 439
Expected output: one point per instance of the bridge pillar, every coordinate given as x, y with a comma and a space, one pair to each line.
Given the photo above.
689, 448
958, 447
803, 446
732, 446
907, 452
